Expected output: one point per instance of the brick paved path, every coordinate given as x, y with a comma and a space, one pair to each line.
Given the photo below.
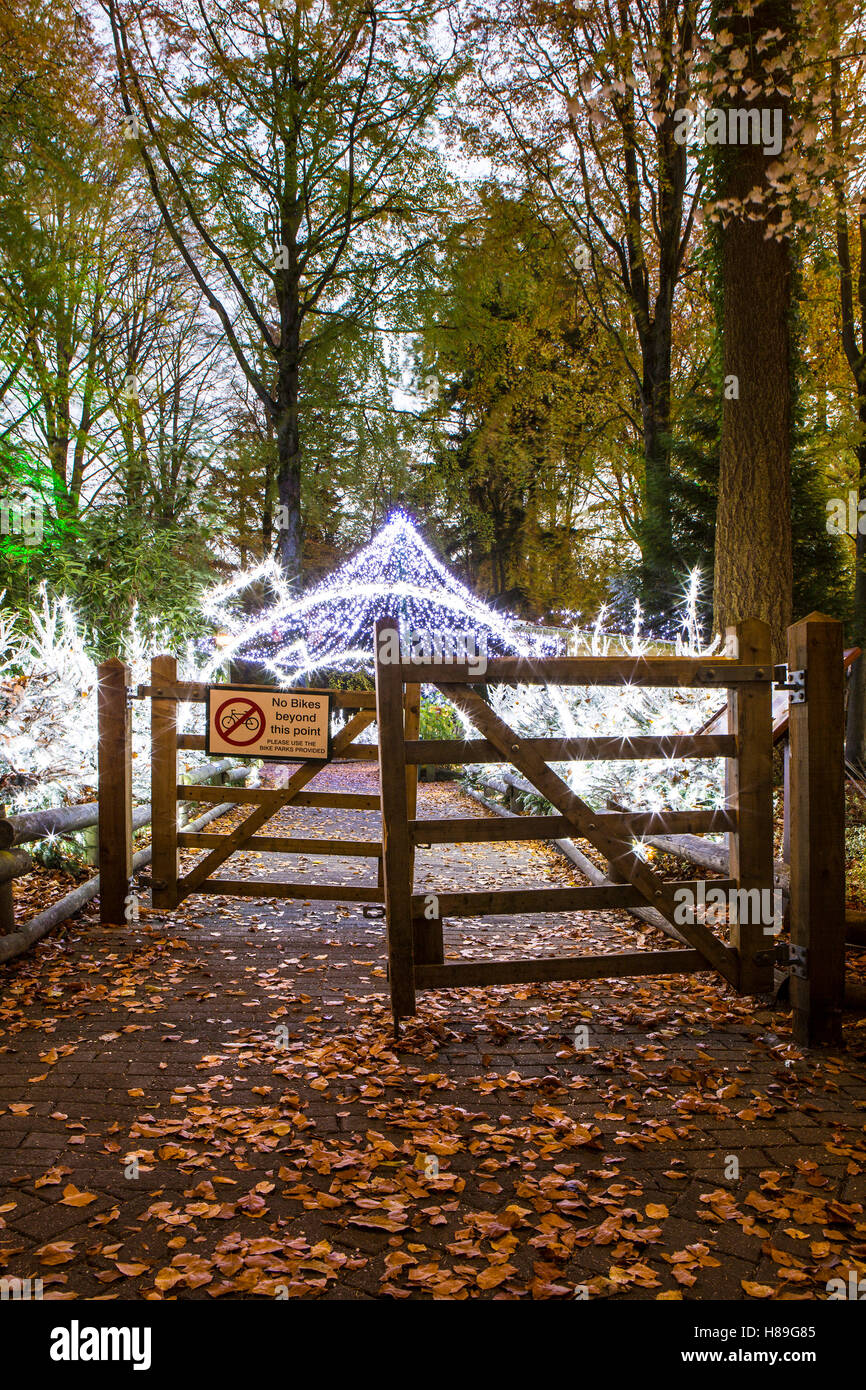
285, 1146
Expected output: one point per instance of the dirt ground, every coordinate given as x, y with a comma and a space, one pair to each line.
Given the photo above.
210, 1104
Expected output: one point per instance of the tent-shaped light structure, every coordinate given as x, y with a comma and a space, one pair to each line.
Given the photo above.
330, 627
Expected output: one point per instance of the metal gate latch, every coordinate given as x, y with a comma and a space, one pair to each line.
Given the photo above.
792, 681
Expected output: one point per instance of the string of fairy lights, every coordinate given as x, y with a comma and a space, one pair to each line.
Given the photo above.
331, 625
329, 628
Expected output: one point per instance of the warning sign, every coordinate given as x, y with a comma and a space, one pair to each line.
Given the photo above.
279, 725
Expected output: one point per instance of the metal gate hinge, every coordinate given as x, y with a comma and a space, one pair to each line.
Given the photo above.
792, 681
798, 960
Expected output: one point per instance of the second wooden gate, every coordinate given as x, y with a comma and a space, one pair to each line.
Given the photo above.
170, 887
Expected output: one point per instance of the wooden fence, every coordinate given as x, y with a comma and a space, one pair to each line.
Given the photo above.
415, 943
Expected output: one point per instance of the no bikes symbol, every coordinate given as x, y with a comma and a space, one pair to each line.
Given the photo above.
240, 721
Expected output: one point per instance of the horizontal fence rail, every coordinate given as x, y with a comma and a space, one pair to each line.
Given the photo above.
498, 902
261, 796
274, 844
659, 671
469, 830
616, 965
263, 888
195, 693
623, 748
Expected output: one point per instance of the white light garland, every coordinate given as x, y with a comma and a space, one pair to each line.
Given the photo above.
331, 625
48, 707
48, 680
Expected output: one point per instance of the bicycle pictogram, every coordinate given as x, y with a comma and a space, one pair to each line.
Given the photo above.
240, 721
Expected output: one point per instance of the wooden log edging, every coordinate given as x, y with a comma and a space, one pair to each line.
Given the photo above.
491, 805
707, 855
16, 942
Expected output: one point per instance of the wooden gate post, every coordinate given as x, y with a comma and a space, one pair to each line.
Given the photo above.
426, 931
817, 818
163, 784
750, 794
396, 847
411, 727
114, 771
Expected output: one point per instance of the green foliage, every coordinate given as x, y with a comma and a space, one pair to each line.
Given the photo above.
345, 680
820, 580
695, 477
508, 364
821, 583
438, 720
694, 488
118, 560
855, 860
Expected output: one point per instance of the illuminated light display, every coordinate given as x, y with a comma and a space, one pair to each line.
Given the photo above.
330, 626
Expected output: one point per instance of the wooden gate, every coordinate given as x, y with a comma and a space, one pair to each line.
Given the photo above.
415, 944
169, 887
815, 801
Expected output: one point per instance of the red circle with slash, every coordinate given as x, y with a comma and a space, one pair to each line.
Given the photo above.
250, 709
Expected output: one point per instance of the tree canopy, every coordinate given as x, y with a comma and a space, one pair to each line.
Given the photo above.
270, 270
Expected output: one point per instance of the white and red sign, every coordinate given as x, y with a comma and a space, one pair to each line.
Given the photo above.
278, 725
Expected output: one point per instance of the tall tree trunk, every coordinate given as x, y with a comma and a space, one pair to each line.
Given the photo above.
289, 532
855, 732
753, 567
289, 528
268, 503
852, 307
657, 551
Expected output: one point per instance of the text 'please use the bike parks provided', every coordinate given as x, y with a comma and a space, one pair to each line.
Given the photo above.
279, 725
